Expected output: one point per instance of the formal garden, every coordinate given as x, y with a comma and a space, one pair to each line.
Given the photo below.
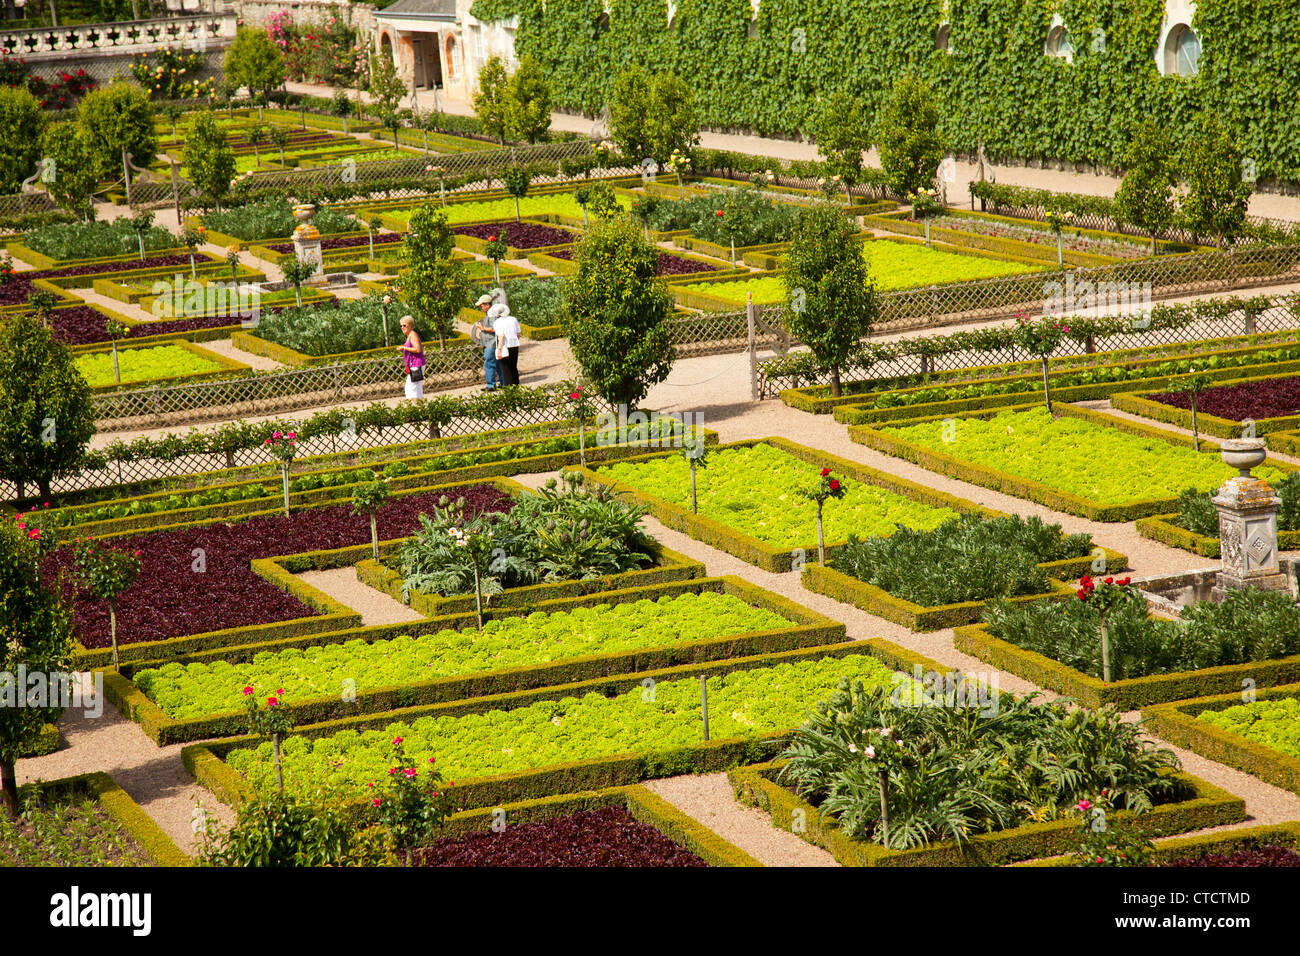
835, 517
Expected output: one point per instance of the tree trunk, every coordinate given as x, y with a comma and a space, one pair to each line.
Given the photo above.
279, 770
374, 536
8, 788
1196, 436
112, 628
695, 508
1047, 388
821, 541
835, 382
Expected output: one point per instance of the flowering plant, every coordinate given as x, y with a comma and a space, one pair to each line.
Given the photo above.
827, 487
283, 446
1103, 844
925, 202
273, 722
1109, 595
412, 803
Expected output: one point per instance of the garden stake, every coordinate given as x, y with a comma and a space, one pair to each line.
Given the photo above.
112, 628
374, 536
284, 475
478, 595
821, 547
1105, 653
884, 807
704, 703
279, 772
695, 508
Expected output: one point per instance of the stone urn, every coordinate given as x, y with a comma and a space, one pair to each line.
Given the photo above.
1243, 453
306, 237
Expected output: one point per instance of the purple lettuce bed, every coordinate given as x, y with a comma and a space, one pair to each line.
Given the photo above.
18, 288
82, 325
669, 264
171, 599
607, 837
1254, 856
340, 242
519, 235
1270, 398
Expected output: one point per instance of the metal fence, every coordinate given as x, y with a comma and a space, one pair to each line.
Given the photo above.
1278, 316
148, 469
280, 391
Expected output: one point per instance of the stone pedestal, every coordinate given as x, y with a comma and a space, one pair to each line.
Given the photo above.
306, 238
1247, 524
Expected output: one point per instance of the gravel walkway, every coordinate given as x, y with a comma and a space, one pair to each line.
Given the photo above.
376, 607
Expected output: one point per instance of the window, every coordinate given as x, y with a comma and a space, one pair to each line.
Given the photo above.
476, 39
509, 50
1182, 51
1059, 44
942, 39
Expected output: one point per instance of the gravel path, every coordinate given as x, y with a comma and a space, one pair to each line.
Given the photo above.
375, 606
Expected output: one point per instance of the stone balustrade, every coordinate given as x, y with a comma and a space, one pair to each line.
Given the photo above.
131, 36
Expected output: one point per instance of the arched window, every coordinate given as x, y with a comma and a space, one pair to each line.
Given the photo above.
386, 47
1182, 51
1059, 43
451, 57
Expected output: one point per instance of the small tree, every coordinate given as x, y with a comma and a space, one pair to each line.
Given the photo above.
284, 446
75, 175
1106, 598
1217, 193
1040, 338
643, 207
495, 249
696, 452
296, 272
433, 285
209, 158
172, 112
141, 223
386, 87
36, 635
254, 61
831, 299
279, 137
255, 137
827, 487
616, 311
105, 573
516, 180
116, 330
843, 135
1193, 385
907, 136
191, 239
1145, 198
373, 225
232, 260
530, 100
651, 115
46, 413
493, 103
273, 723
341, 106
115, 119
369, 498
20, 148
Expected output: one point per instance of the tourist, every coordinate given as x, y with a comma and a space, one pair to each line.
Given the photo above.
412, 359
486, 337
507, 332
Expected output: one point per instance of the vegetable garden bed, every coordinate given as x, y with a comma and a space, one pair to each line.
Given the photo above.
547, 644
624, 734
1182, 724
167, 363
1203, 805
1268, 403
1067, 464
750, 508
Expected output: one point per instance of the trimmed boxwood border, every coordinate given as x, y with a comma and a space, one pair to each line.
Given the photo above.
807, 629
1141, 403
1177, 848
647, 807
817, 398
1177, 723
279, 570
1164, 528
748, 548
1024, 488
47, 742
1129, 693
1207, 806
339, 494
117, 803
204, 760
40, 261
875, 600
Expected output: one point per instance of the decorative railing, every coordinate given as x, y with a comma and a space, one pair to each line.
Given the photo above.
194, 32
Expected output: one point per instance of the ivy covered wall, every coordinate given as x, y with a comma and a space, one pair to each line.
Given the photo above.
996, 84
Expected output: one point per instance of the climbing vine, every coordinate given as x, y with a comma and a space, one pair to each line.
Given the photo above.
997, 85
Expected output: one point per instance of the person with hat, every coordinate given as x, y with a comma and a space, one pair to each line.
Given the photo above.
486, 337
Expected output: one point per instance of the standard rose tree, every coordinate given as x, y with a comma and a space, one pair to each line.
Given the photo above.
105, 572
272, 722
283, 446
1106, 598
826, 488
369, 498
411, 804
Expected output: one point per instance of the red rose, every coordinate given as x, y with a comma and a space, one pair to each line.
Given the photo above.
825, 472
835, 484
718, 214
492, 238
1110, 580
